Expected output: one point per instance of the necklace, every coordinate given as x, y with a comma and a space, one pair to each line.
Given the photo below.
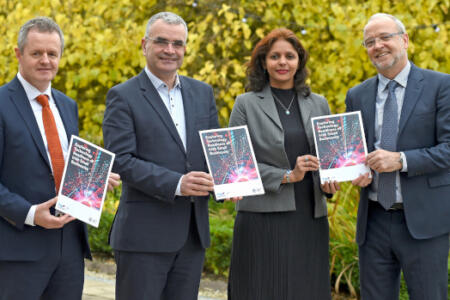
286, 109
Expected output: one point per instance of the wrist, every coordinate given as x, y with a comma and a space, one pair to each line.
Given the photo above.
288, 174
400, 161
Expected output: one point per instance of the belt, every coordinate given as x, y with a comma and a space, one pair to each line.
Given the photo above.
395, 207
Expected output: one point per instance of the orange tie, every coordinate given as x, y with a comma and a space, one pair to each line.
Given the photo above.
54, 145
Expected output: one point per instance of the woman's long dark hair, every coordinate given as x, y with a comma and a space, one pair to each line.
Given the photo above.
258, 78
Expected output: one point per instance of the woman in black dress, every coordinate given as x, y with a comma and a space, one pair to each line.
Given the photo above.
280, 242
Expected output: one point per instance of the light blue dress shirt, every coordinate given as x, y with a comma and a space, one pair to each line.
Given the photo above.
382, 94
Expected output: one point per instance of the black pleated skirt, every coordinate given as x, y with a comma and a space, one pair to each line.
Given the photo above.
282, 255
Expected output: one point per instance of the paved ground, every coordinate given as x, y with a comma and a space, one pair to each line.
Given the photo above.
99, 283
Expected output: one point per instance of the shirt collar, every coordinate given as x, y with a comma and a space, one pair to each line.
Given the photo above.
401, 78
31, 91
158, 83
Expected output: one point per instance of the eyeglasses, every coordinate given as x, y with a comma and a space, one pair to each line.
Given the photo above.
163, 43
369, 43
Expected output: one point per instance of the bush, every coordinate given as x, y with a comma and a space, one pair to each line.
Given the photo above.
98, 237
218, 254
103, 49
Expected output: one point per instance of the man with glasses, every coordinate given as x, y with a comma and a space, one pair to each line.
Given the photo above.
404, 213
151, 122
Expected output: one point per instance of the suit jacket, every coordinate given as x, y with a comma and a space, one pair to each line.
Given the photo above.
150, 159
257, 110
424, 137
25, 174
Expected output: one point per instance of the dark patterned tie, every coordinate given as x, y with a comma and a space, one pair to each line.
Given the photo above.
389, 130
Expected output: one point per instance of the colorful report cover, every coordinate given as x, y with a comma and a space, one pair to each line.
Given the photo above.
85, 180
231, 162
341, 146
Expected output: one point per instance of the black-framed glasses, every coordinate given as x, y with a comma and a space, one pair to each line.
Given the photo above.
370, 42
161, 42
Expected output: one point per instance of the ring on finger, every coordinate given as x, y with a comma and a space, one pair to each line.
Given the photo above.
306, 159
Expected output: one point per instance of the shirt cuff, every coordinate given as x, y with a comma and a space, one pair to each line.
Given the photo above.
178, 190
29, 220
405, 165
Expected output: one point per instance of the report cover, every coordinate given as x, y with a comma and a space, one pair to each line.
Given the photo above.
231, 162
85, 180
341, 146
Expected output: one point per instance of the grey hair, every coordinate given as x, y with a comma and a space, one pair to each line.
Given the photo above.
400, 26
41, 24
167, 17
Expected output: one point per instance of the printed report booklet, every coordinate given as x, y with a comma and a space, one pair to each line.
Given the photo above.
231, 162
85, 181
340, 146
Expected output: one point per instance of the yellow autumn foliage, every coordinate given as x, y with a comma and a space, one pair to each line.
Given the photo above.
103, 49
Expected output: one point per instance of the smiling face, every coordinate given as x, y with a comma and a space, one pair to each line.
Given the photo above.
390, 56
38, 64
282, 63
164, 60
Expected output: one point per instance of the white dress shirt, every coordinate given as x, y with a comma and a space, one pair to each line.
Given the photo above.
382, 94
32, 93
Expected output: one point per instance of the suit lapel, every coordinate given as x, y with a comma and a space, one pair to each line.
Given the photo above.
20, 100
413, 91
367, 105
306, 106
267, 104
150, 93
65, 114
189, 111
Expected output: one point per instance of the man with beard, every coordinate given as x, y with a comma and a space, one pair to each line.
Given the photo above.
403, 217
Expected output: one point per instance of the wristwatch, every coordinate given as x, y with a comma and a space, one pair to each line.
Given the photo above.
400, 160
287, 176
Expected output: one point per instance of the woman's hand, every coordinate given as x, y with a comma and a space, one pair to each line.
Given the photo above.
233, 199
363, 180
330, 187
304, 164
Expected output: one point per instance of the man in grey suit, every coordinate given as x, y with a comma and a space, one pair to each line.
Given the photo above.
151, 122
404, 214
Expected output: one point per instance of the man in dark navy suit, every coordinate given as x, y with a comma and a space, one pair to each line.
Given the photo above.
404, 214
41, 255
151, 122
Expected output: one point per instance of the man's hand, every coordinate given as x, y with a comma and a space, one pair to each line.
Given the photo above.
363, 180
196, 184
384, 161
330, 187
43, 218
113, 181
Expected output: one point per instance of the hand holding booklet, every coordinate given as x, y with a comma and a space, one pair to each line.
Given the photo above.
231, 162
340, 146
85, 180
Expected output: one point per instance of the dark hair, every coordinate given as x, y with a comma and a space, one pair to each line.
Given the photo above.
256, 74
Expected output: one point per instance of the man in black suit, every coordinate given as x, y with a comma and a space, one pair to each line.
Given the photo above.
151, 122
41, 255
404, 214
